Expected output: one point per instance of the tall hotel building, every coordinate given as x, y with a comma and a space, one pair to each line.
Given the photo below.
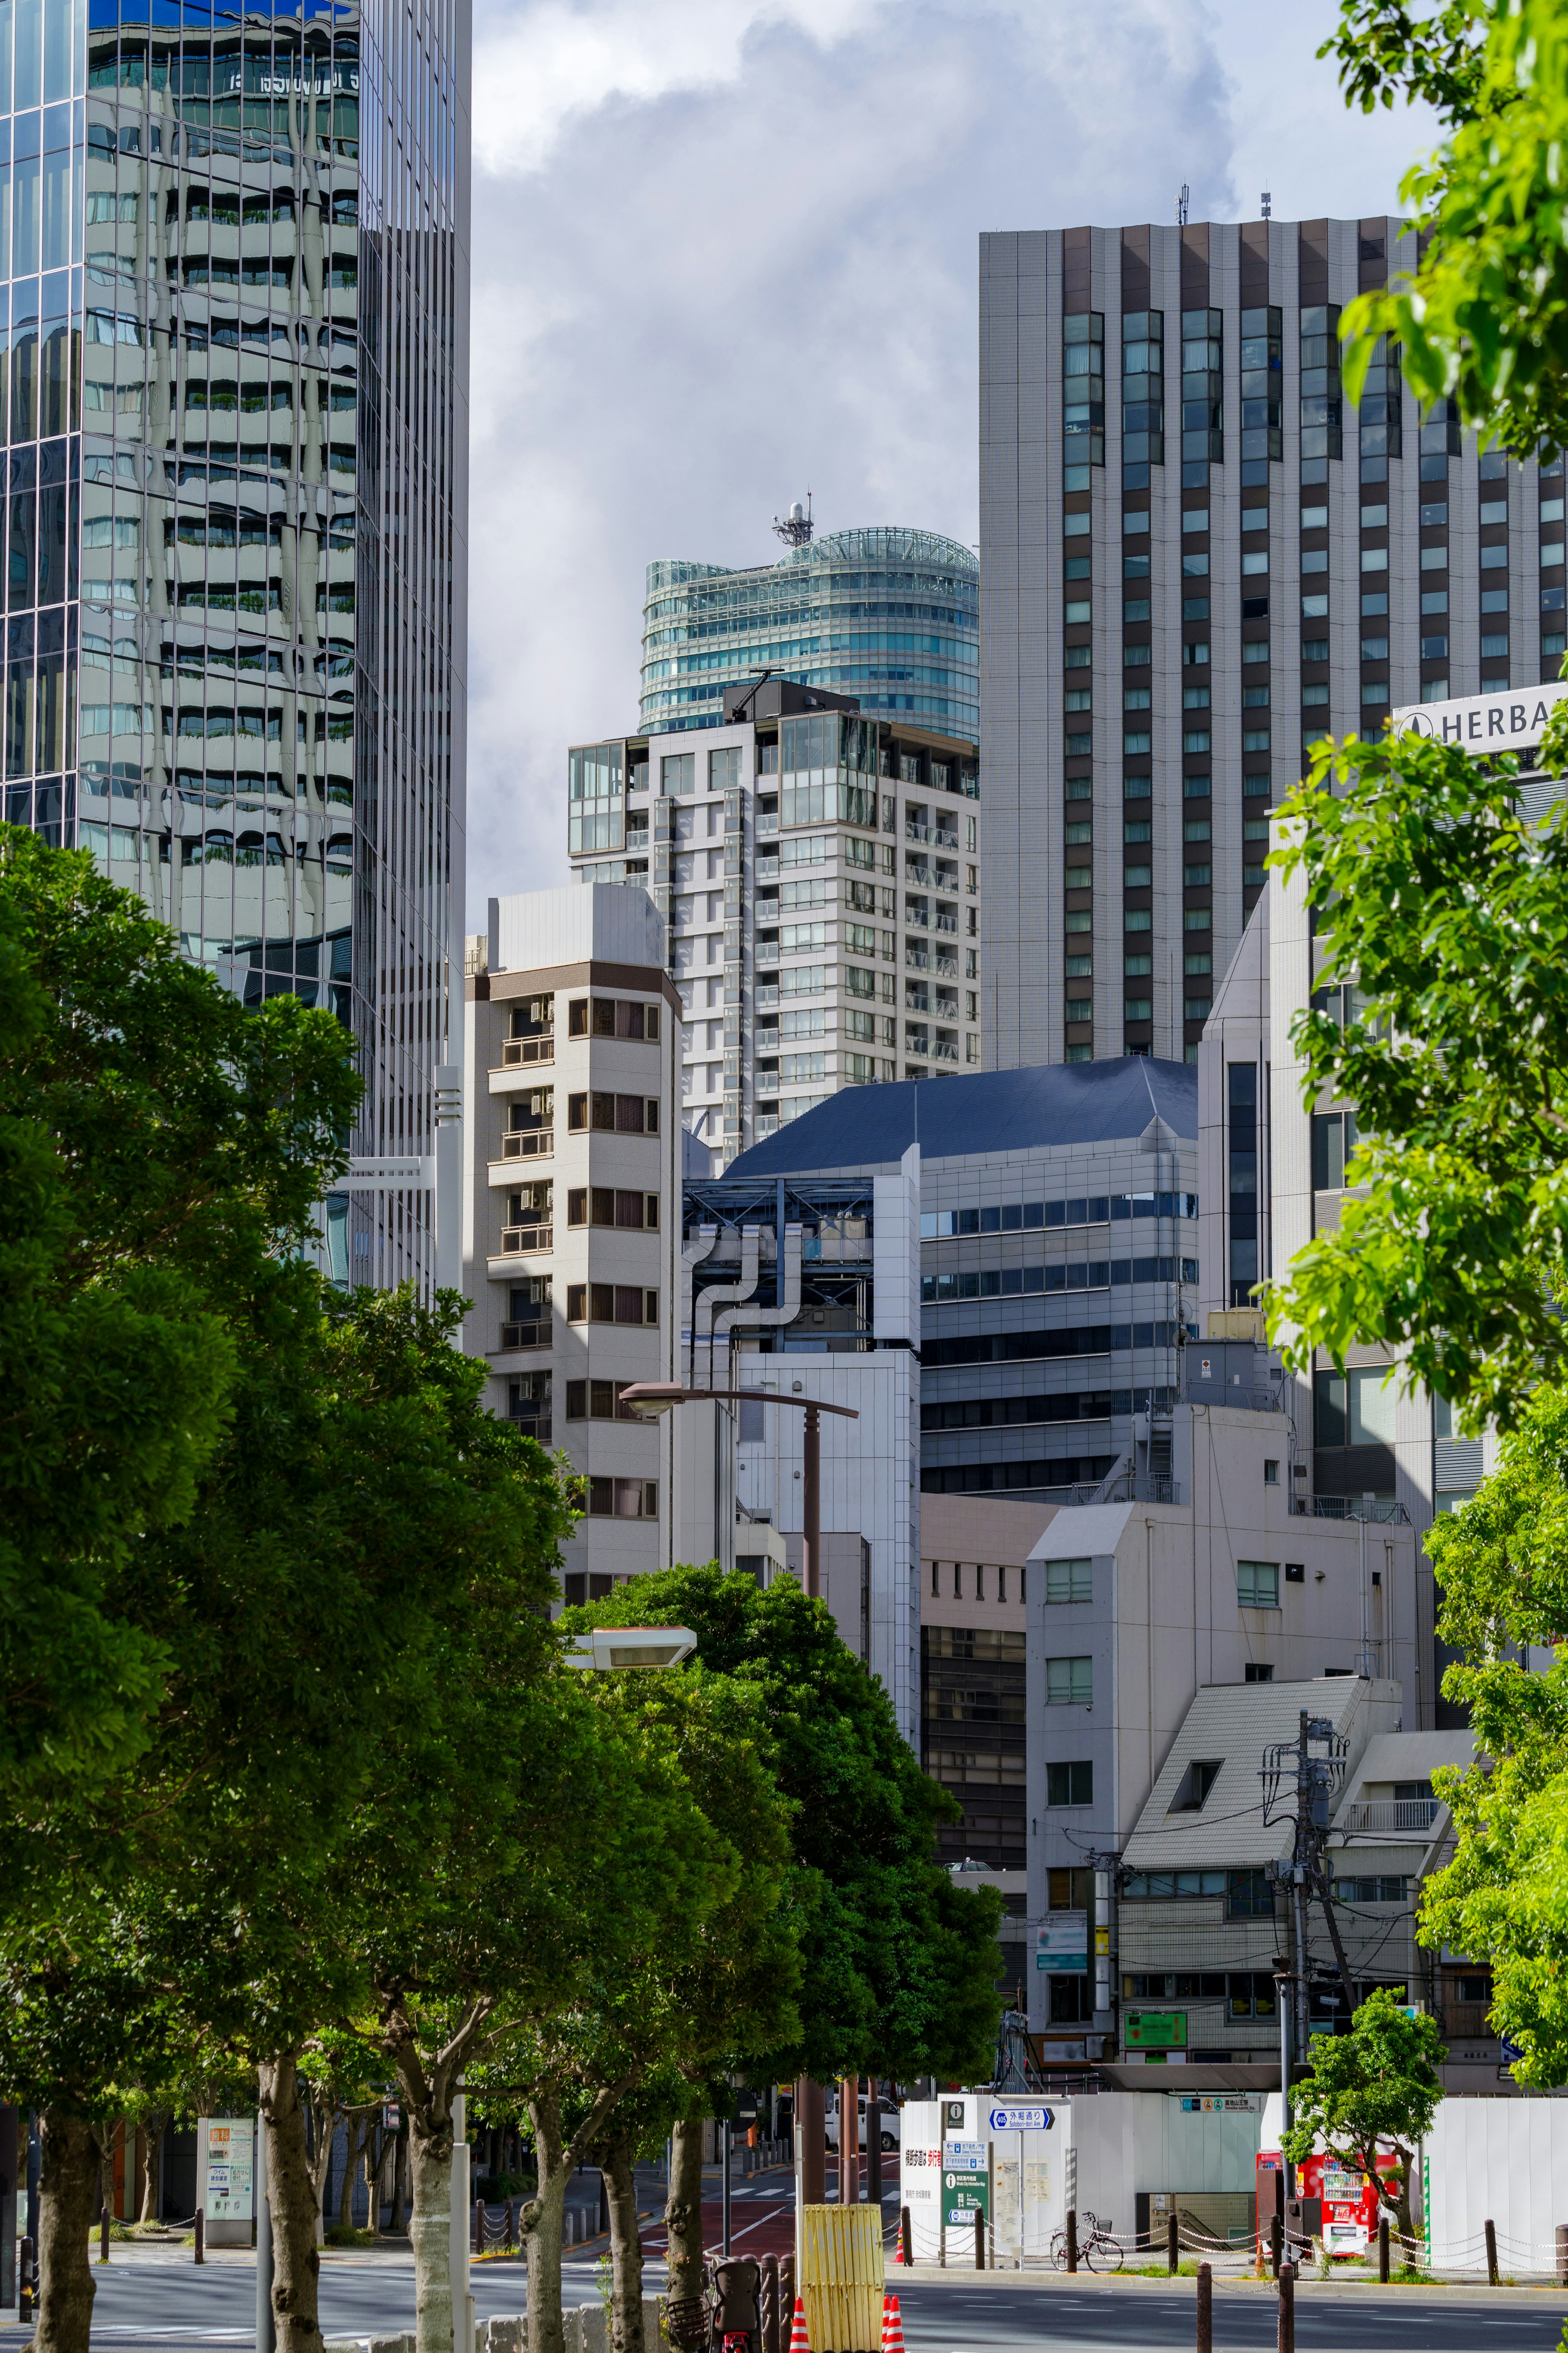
235, 242
1198, 558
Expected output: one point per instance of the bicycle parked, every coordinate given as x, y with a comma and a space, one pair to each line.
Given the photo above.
1098, 2249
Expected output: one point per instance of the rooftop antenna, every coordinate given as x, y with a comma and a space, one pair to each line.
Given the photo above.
1182, 202
796, 528
1268, 203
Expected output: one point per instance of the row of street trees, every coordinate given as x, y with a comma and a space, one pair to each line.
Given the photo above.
295, 1785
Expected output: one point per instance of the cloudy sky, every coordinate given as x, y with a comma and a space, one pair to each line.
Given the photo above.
725, 250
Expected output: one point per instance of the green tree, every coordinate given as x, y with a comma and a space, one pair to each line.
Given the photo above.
638, 2045
1373, 2090
1502, 1565
364, 1527
1484, 323
899, 1965
157, 1143
1444, 914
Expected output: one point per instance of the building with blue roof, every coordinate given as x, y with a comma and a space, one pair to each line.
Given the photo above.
1057, 1279
1058, 1255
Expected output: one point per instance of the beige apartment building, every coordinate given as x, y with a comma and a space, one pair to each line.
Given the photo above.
818, 874
572, 1144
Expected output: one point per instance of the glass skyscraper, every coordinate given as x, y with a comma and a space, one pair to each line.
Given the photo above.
236, 246
890, 616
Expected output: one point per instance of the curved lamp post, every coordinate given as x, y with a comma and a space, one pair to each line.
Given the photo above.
648, 1399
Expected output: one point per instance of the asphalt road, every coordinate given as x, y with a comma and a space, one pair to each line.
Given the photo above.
143, 2305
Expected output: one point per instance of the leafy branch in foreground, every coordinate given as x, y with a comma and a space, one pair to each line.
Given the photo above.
1484, 321
1445, 913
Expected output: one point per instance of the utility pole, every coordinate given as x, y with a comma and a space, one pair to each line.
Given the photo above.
1292, 1771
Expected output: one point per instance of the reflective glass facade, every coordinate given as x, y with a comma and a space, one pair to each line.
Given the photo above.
237, 256
890, 616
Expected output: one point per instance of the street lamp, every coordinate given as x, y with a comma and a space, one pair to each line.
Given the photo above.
606, 1648
648, 1399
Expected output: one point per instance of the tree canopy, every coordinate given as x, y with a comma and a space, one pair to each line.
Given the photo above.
160, 1145
1443, 914
898, 1964
1372, 2090
1502, 1567
1484, 322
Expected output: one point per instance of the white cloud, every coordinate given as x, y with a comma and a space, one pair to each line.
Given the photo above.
724, 251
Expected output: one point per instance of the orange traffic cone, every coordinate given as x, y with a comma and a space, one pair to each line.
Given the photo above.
892, 2325
799, 2342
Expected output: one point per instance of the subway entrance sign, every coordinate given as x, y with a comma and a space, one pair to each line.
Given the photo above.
966, 2183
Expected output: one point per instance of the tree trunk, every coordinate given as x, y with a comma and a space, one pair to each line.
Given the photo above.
374, 2166
399, 2155
431, 2165
626, 2250
540, 2223
67, 2208
683, 2212
151, 2151
325, 2117
1404, 2224
295, 2205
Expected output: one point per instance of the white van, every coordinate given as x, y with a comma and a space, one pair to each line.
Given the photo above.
890, 2123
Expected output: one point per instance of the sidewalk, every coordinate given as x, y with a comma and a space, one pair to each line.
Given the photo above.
1475, 2295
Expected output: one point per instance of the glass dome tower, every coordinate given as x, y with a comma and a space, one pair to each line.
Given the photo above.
892, 617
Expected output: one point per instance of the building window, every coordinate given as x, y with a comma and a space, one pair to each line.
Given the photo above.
1192, 1791
1354, 1410
1083, 397
935, 1568
1333, 1144
1270, 1471
1249, 1896
606, 1205
596, 1402
678, 772
1070, 1785
623, 1499
577, 1588
1070, 1580
1242, 1141
958, 1580
1383, 1890
611, 1017
610, 1302
1257, 1584
1001, 1583
1069, 1682
979, 1581
1258, 1673
613, 1115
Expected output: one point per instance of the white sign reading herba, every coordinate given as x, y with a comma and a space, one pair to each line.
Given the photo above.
1508, 722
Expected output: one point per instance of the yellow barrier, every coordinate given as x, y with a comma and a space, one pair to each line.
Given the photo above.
841, 2278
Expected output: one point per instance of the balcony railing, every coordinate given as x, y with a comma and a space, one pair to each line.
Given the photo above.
916, 871
516, 1052
525, 1335
939, 834
523, 1238
1350, 1508
943, 1053
1123, 1491
1391, 1814
528, 1144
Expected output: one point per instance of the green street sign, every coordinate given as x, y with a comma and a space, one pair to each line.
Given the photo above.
965, 2195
